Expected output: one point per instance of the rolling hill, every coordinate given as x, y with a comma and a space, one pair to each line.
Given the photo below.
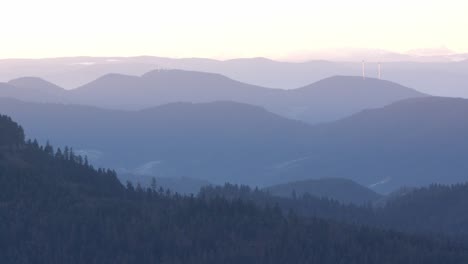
35, 83
337, 97
446, 77
408, 143
412, 142
166, 86
55, 200
217, 141
31, 95
327, 100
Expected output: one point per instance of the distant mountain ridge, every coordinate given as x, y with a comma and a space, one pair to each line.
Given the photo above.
56, 200
403, 144
36, 83
441, 78
217, 141
336, 97
327, 100
413, 142
32, 89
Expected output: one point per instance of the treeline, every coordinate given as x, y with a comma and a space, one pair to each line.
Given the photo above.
55, 208
436, 208
433, 210
304, 205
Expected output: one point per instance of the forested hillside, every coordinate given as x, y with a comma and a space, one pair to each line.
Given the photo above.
435, 210
56, 208
410, 143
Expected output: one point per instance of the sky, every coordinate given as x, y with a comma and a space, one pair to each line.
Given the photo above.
226, 29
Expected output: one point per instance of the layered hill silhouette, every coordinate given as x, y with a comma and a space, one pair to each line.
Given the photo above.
342, 190
327, 100
35, 83
34, 90
409, 143
441, 78
166, 86
218, 141
337, 97
435, 209
53, 199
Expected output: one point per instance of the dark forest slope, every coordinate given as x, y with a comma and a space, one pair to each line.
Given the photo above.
54, 208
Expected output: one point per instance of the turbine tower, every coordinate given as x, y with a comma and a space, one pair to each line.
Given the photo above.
363, 70
380, 71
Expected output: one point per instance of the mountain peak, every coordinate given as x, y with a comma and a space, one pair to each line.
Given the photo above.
107, 82
358, 84
35, 83
337, 79
110, 76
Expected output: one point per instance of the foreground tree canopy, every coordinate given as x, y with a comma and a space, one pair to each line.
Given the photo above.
56, 208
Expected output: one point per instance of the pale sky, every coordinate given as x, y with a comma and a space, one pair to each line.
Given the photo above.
226, 29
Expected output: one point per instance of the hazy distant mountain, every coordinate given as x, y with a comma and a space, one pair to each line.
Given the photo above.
167, 86
340, 96
409, 143
442, 75
439, 54
217, 141
343, 190
33, 90
34, 83
326, 100
323, 101
73, 71
52, 200
76, 71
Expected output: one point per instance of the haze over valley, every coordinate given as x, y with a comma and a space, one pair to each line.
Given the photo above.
242, 132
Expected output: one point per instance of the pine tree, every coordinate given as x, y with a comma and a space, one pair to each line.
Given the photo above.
66, 153
49, 149
154, 185
59, 154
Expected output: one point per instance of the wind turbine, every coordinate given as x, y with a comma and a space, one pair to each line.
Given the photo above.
363, 70
380, 71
